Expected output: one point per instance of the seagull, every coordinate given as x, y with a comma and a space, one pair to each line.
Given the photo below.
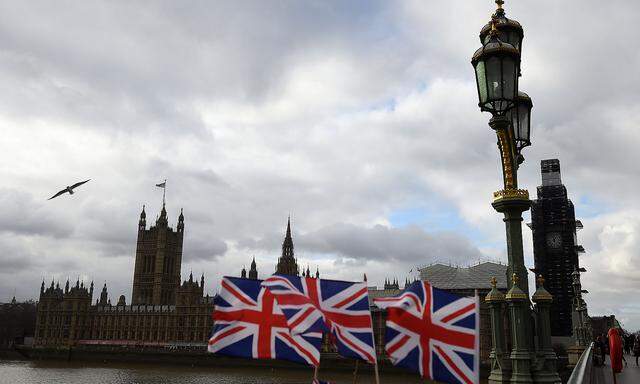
68, 189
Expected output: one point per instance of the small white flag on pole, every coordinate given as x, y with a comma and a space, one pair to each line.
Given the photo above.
163, 185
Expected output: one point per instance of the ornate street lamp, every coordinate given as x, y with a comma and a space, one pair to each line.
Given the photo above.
496, 65
521, 122
497, 70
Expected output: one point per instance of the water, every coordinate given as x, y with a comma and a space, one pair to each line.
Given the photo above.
38, 372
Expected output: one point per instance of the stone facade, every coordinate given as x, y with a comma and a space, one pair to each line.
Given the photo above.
158, 261
162, 311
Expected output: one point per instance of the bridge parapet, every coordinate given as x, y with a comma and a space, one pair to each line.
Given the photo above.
582, 373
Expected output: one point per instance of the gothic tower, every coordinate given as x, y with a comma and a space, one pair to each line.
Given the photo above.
158, 261
555, 248
287, 263
253, 272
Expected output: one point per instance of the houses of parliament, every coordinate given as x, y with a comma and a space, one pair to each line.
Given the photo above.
162, 310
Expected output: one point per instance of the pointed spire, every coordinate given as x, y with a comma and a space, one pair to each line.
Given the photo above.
317, 272
181, 221
42, 287
287, 264
253, 272
191, 277
162, 220
202, 280
142, 223
66, 286
364, 275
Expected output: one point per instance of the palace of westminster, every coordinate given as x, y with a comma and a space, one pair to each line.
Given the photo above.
165, 312
162, 310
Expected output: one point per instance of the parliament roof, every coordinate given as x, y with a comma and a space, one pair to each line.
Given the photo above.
474, 277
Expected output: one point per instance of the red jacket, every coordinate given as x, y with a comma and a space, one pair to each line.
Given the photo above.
615, 350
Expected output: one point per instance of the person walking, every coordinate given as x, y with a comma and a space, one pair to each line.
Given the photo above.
598, 351
636, 347
615, 352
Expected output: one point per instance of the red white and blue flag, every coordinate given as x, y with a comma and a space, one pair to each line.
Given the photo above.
318, 305
433, 332
248, 323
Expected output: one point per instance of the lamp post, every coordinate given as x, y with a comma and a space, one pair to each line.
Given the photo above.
497, 71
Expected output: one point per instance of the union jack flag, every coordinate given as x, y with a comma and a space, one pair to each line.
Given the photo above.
433, 332
338, 307
248, 323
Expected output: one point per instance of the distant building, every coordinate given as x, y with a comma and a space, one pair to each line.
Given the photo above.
17, 322
162, 309
158, 260
555, 248
600, 325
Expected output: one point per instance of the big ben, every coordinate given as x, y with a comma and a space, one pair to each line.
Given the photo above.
555, 247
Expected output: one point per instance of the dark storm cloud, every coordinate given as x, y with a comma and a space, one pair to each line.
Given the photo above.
21, 213
10, 264
203, 249
409, 244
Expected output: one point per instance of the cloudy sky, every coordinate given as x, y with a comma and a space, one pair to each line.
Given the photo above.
359, 119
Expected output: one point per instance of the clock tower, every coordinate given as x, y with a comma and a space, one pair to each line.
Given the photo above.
555, 247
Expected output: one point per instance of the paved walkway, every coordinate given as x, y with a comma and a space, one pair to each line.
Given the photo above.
629, 375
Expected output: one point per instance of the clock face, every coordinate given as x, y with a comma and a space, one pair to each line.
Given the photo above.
554, 240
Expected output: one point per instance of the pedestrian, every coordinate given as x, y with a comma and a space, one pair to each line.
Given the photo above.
615, 352
605, 341
598, 351
636, 348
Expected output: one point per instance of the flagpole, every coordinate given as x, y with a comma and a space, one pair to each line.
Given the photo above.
476, 363
355, 373
375, 369
315, 374
164, 191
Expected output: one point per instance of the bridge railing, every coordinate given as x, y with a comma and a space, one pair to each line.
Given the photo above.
582, 372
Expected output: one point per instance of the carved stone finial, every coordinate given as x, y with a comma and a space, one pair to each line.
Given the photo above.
499, 3
514, 279
494, 282
540, 281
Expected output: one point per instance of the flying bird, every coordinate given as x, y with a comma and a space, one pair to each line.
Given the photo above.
68, 189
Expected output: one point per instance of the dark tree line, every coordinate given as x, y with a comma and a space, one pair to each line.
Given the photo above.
17, 321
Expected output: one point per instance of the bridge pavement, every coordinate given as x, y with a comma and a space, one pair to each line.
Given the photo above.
629, 375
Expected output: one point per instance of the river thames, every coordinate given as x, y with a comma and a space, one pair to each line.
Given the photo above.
38, 372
